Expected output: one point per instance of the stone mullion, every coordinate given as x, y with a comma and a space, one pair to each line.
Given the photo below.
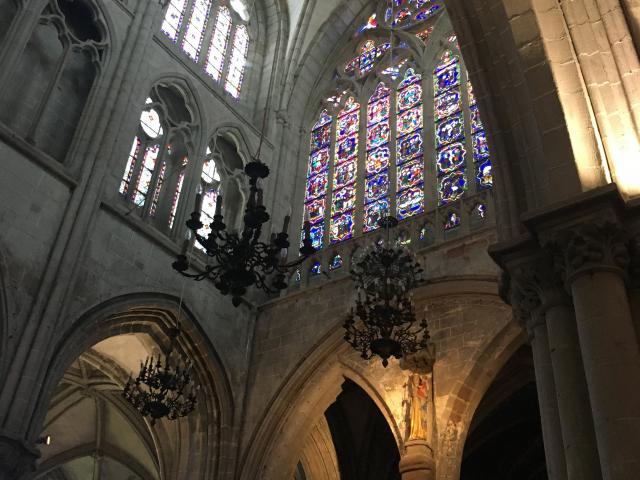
358, 217
428, 144
22, 392
393, 158
470, 165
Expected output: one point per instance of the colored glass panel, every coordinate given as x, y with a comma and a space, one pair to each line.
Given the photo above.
378, 111
409, 121
409, 147
451, 158
342, 227
131, 166
409, 97
449, 130
195, 29
425, 34
317, 235
452, 187
314, 210
345, 174
218, 46
316, 268
404, 15
173, 18
476, 122
318, 161
427, 13
410, 174
376, 186
316, 186
378, 135
447, 104
146, 174
343, 200
484, 176
320, 137
374, 212
453, 221
410, 78
381, 91
347, 124
472, 96
446, 78
480, 146
336, 262
238, 61
378, 160
347, 148
324, 119
410, 202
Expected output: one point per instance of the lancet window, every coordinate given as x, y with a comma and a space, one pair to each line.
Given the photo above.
372, 151
214, 35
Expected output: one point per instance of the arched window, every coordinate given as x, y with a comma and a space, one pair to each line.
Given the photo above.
155, 172
49, 85
187, 23
409, 168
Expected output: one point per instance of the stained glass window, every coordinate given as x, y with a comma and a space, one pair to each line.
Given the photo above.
409, 152
449, 129
173, 18
238, 61
336, 262
345, 171
218, 45
481, 157
376, 198
317, 178
363, 63
210, 183
192, 42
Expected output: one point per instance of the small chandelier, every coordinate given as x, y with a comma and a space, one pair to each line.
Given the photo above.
241, 260
384, 276
163, 389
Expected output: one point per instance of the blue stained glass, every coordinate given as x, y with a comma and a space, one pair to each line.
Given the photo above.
378, 160
343, 200
345, 174
453, 221
317, 186
410, 77
347, 148
451, 158
484, 176
318, 161
409, 147
476, 122
342, 227
446, 78
410, 202
452, 187
317, 235
410, 174
374, 212
336, 262
324, 119
447, 104
409, 121
376, 187
427, 13
381, 91
378, 135
409, 97
316, 268
378, 111
315, 210
480, 146
449, 130
320, 137
347, 124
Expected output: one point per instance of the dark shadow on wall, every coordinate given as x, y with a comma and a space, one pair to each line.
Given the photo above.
505, 437
364, 443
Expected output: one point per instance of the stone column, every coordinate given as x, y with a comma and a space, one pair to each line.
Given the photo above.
17, 459
417, 461
596, 258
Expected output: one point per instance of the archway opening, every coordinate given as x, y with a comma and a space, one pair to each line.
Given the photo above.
505, 436
365, 446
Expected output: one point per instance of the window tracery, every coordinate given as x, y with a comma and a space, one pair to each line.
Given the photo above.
406, 166
187, 23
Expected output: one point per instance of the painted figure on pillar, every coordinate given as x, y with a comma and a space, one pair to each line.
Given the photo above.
418, 393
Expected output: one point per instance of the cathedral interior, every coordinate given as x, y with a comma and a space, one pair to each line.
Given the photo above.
320, 239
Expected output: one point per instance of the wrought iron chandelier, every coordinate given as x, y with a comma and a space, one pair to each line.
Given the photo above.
383, 322
163, 389
242, 260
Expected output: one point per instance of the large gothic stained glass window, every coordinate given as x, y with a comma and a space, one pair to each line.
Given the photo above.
423, 146
186, 23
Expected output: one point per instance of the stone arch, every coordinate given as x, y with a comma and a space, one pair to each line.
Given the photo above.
153, 314
465, 396
277, 443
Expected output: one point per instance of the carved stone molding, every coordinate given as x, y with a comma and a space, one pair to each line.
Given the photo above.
17, 459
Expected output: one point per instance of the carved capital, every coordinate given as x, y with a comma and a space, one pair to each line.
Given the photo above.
591, 247
420, 362
17, 459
